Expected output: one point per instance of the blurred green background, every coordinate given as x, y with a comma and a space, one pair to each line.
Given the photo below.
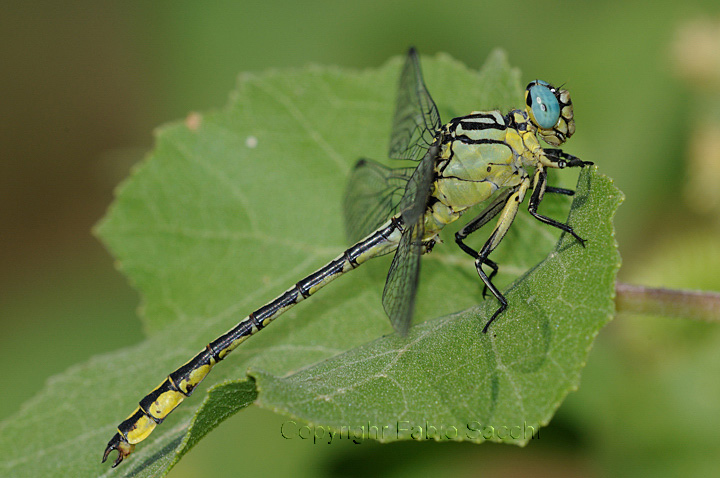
84, 83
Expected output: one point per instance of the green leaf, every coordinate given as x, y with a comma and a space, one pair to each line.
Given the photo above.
232, 207
466, 385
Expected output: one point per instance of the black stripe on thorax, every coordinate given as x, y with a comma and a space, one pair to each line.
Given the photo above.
512, 124
477, 125
468, 140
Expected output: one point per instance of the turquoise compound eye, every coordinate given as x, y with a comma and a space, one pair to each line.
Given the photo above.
545, 106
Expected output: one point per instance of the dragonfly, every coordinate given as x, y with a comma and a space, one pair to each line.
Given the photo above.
484, 157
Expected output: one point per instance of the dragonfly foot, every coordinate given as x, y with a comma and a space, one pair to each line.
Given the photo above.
503, 306
119, 443
578, 238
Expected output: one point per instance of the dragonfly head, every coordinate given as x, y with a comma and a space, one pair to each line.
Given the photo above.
551, 110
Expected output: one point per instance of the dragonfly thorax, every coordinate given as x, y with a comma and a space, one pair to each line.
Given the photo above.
481, 153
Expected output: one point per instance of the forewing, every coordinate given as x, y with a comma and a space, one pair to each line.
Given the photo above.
417, 120
404, 274
414, 201
373, 195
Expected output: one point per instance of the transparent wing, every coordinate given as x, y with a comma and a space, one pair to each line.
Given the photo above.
417, 120
414, 201
373, 195
375, 192
401, 285
403, 277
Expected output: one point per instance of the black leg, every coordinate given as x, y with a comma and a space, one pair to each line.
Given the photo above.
561, 159
493, 265
483, 259
537, 195
476, 223
506, 205
566, 192
480, 220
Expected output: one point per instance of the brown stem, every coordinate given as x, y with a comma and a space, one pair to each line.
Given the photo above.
686, 304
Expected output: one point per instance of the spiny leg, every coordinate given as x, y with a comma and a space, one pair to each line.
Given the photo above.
557, 158
539, 188
507, 210
486, 280
476, 223
486, 216
493, 265
566, 192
